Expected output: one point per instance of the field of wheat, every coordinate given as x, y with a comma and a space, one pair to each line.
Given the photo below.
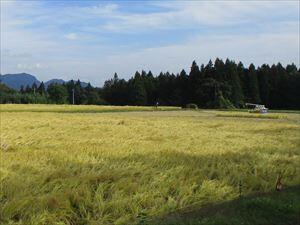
72, 165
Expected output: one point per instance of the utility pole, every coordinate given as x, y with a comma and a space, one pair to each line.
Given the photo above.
73, 96
34, 95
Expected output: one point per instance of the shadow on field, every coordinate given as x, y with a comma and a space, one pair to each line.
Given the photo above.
277, 208
280, 208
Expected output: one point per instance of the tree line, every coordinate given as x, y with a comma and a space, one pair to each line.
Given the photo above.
55, 93
214, 85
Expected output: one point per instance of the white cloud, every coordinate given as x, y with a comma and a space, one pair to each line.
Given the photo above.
71, 36
99, 10
31, 67
190, 14
32, 39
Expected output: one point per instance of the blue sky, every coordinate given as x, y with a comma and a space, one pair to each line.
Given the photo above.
91, 40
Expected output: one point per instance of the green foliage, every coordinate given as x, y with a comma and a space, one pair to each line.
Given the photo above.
33, 98
57, 94
236, 95
218, 85
9, 95
191, 106
215, 85
222, 103
138, 94
5, 89
253, 88
41, 89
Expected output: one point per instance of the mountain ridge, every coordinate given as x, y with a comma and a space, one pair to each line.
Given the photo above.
16, 81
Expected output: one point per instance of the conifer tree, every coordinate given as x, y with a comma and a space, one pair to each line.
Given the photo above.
253, 89
41, 89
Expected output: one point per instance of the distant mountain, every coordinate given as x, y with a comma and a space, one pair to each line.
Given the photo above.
54, 81
83, 84
15, 81
60, 81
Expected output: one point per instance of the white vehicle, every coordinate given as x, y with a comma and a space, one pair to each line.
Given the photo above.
256, 108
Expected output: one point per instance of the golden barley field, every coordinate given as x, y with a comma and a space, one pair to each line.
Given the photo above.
125, 165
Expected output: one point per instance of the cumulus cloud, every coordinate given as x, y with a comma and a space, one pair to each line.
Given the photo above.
97, 39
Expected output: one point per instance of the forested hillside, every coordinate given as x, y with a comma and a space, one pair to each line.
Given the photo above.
214, 85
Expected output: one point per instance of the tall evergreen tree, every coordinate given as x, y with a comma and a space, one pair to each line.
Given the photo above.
253, 88
22, 90
236, 93
151, 89
34, 87
263, 74
195, 78
28, 89
79, 93
41, 89
138, 95
183, 84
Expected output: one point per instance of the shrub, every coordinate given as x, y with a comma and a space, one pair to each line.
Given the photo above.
220, 102
191, 106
